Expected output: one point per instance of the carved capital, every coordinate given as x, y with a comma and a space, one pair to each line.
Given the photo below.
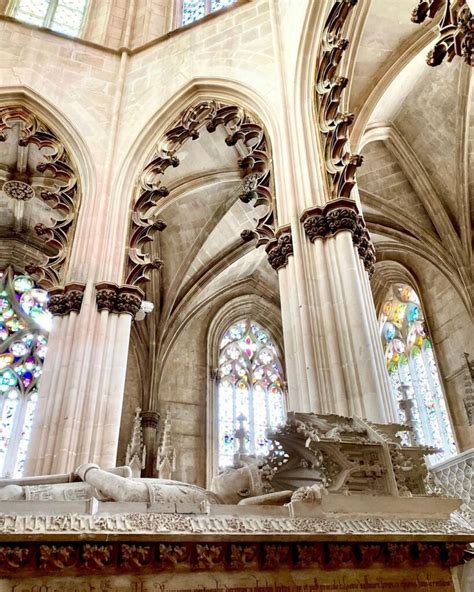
67, 299
106, 296
279, 249
336, 216
123, 299
150, 419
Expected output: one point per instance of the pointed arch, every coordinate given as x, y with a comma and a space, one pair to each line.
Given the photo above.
66, 161
247, 308
412, 366
222, 91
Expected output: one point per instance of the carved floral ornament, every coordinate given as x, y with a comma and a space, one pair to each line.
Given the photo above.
63, 301
242, 131
279, 249
151, 557
338, 215
64, 200
118, 299
456, 30
340, 163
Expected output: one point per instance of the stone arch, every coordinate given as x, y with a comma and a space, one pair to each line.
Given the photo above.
67, 164
220, 90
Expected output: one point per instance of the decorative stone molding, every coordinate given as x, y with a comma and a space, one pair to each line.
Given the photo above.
243, 131
152, 556
279, 249
63, 198
150, 419
118, 299
136, 452
123, 523
341, 164
338, 215
469, 389
18, 190
456, 30
63, 301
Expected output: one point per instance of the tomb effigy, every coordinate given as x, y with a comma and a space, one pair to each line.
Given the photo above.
337, 504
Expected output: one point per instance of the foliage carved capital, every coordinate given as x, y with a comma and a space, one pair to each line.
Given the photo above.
67, 299
336, 216
123, 299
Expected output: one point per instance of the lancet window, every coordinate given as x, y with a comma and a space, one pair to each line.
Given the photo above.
414, 375
250, 393
64, 16
193, 10
24, 326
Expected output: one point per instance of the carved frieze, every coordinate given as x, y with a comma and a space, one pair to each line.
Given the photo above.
341, 164
336, 216
63, 198
456, 30
123, 299
242, 131
280, 248
84, 557
67, 299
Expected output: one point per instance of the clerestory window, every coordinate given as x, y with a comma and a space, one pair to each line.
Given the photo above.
250, 391
64, 16
24, 326
193, 10
413, 371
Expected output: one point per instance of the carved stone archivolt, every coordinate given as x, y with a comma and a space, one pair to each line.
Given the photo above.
123, 299
112, 557
334, 124
336, 216
57, 188
244, 132
279, 249
67, 299
456, 30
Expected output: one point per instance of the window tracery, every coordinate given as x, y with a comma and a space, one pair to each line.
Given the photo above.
64, 16
414, 375
250, 396
24, 326
193, 10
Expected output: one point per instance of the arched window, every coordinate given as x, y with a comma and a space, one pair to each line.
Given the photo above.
250, 396
64, 16
413, 371
193, 10
24, 326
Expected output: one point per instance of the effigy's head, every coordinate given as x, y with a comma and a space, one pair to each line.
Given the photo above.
234, 485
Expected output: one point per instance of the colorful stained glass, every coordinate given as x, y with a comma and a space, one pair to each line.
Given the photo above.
24, 325
65, 16
413, 372
250, 397
193, 10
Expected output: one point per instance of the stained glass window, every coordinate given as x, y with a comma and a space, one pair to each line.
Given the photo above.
65, 16
250, 395
193, 10
414, 375
24, 326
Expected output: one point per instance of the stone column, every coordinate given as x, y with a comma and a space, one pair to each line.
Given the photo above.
82, 386
150, 421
